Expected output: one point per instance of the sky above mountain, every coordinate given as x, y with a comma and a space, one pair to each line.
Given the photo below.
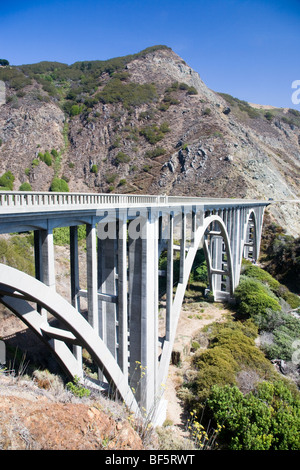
249, 49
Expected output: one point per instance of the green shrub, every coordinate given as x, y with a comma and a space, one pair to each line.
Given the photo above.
254, 298
269, 116
278, 289
46, 157
111, 178
7, 180
94, 169
206, 112
192, 91
75, 110
77, 389
17, 252
129, 94
231, 349
266, 419
147, 168
121, 157
214, 366
25, 187
285, 329
153, 133
164, 128
256, 272
61, 235
157, 152
183, 86
59, 185
163, 106
201, 273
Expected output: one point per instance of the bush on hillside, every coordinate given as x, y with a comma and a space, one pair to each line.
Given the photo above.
231, 350
25, 187
121, 157
17, 252
153, 133
281, 327
276, 287
254, 298
59, 185
265, 419
7, 181
129, 94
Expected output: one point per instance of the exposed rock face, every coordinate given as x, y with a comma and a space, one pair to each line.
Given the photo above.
30, 420
210, 148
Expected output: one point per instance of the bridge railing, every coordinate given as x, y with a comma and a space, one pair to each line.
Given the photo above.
31, 200
27, 201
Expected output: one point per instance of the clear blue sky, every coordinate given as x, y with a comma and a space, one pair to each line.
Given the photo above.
249, 49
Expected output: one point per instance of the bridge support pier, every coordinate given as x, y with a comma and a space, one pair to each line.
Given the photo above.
75, 286
143, 317
92, 282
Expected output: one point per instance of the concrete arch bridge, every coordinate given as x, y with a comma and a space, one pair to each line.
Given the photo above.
125, 236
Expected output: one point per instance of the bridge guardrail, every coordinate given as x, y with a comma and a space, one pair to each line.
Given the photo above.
21, 201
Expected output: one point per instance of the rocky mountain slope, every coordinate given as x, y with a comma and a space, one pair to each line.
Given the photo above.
146, 123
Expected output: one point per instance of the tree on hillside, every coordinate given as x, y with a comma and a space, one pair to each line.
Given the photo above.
4, 62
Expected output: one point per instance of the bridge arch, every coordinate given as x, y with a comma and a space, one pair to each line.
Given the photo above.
200, 235
17, 289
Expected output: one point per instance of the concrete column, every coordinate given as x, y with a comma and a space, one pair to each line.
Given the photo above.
194, 226
44, 260
259, 212
216, 257
235, 243
170, 262
75, 298
135, 311
92, 281
122, 294
143, 308
182, 245
48, 268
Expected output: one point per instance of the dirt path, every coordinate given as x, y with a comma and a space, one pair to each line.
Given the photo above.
192, 319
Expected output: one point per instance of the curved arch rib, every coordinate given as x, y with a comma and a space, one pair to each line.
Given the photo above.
14, 281
181, 288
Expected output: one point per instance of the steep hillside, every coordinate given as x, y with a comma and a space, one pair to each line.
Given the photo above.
146, 123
